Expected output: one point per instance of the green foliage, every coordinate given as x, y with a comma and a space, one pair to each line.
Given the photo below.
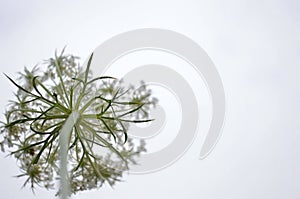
99, 149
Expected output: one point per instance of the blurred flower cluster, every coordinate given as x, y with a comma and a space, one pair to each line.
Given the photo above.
99, 146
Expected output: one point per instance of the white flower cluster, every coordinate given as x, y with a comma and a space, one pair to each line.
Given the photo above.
99, 148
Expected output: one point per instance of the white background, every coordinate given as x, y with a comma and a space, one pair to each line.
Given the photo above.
255, 45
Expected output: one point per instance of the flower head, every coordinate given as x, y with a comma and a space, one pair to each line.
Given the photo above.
99, 148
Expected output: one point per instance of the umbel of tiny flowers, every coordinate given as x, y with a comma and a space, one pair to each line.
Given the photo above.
60, 109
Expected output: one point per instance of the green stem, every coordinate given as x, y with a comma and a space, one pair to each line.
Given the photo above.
64, 138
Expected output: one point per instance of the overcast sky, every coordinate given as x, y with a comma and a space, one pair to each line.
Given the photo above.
255, 45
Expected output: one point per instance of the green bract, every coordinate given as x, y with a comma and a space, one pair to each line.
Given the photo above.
99, 148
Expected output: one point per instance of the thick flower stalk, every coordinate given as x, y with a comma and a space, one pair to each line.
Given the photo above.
60, 103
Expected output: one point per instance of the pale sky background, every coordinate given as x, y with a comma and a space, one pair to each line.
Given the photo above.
255, 45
